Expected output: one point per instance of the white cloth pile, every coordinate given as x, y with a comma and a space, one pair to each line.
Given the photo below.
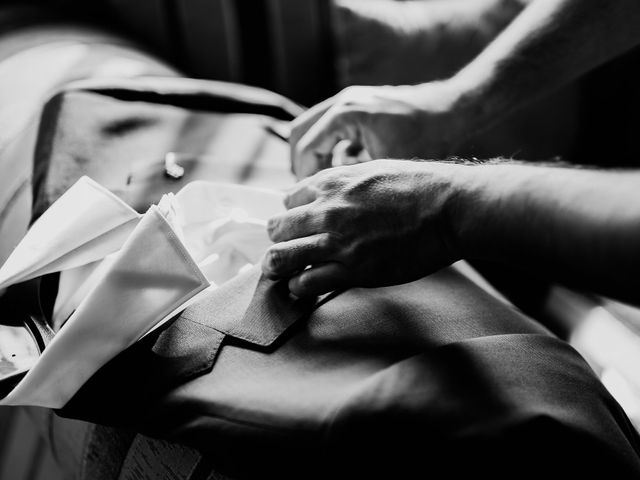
124, 274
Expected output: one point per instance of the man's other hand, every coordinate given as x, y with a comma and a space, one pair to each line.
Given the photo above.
422, 121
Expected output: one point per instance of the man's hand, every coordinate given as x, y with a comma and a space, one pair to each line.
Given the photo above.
424, 121
374, 224
551, 43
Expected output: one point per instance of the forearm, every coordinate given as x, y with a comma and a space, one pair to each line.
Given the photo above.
550, 43
579, 226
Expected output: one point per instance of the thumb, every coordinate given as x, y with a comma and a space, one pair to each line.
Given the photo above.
315, 149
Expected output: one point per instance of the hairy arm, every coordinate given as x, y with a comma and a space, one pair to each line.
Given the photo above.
389, 222
579, 226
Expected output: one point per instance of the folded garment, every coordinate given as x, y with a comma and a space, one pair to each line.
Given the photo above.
123, 275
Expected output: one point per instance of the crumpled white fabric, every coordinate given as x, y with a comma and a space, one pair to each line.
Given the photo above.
230, 234
84, 225
116, 288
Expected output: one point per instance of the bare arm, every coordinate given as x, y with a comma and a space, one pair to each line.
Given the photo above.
390, 222
574, 225
550, 43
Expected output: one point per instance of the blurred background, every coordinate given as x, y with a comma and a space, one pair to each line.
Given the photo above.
306, 50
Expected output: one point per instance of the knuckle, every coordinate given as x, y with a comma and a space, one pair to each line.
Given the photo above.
323, 220
329, 181
350, 92
346, 91
272, 226
335, 216
326, 183
305, 218
297, 224
324, 242
331, 217
316, 223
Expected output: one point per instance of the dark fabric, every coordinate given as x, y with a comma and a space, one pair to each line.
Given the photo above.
283, 45
251, 307
103, 452
111, 132
432, 378
419, 382
487, 405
